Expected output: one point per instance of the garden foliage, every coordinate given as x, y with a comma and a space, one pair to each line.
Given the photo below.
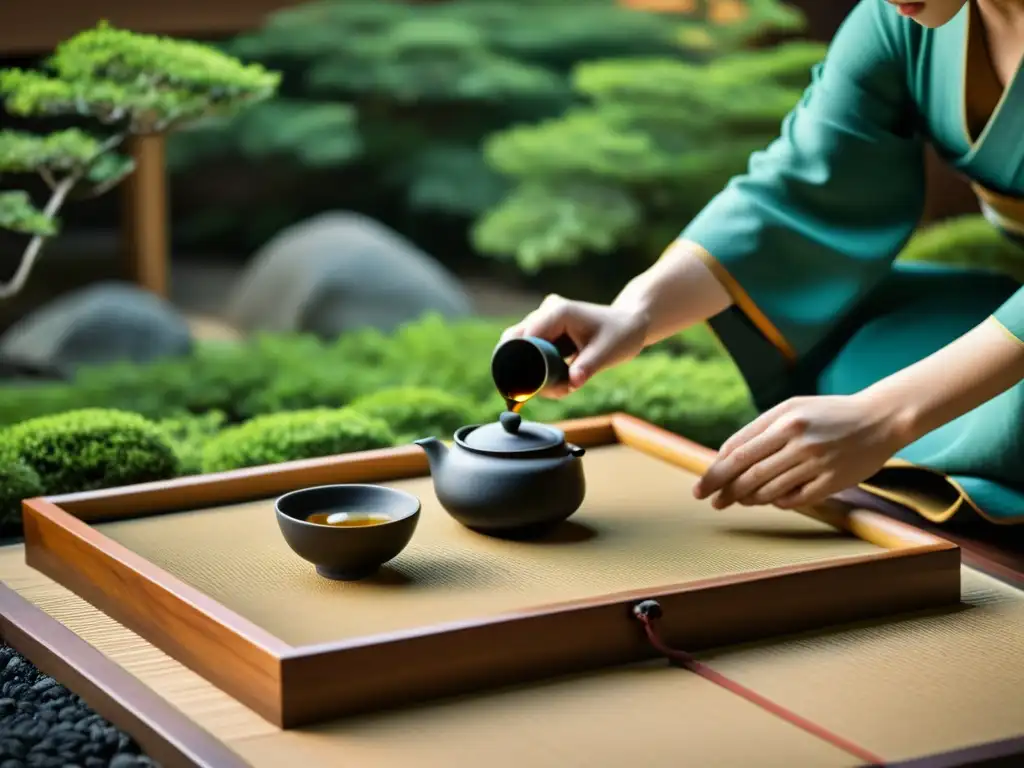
91, 448
213, 410
655, 140
18, 481
118, 84
415, 412
294, 435
966, 241
402, 94
277, 398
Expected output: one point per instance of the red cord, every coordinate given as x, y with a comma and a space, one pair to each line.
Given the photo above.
689, 662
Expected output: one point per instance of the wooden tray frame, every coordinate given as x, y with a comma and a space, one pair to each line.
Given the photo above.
293, 686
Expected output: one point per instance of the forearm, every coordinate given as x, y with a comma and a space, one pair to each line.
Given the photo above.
981, 364
676, 292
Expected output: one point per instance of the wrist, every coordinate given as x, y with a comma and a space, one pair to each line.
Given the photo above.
900, 413
637, 302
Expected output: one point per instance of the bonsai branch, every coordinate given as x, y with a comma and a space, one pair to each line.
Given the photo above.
60, 193
35, 246
48, 178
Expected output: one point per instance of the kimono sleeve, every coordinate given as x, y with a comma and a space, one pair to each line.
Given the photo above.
819, 216
1011, 315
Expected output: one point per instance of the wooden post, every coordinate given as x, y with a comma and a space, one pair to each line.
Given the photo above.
146, 236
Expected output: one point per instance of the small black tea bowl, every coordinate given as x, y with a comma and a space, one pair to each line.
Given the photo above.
347, 554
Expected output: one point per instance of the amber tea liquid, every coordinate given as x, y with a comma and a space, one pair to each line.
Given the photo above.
516, 402
348, 519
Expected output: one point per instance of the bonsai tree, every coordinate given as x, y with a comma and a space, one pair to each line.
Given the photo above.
398, 95
118, 83
655, 139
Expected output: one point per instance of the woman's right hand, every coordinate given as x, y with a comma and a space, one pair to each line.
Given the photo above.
605, 335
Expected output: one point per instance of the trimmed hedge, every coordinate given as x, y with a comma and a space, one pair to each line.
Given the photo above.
17, 481
91, 448
707, 401
294, 435
278, 398
188, 436
414, 412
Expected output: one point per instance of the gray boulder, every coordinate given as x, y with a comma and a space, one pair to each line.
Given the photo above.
103, 323
340, 271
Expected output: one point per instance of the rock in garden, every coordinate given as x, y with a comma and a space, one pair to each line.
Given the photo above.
44, 724
103, 323
339, 271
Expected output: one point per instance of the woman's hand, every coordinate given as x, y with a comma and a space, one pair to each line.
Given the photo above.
803, 451
605, 335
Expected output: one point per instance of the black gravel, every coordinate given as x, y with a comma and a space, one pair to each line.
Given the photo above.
44, 725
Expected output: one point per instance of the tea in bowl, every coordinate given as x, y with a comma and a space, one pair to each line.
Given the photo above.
347, 531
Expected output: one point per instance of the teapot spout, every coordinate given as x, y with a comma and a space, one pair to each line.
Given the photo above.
436, 452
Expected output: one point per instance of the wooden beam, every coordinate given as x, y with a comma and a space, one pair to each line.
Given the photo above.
27, 32
145, 221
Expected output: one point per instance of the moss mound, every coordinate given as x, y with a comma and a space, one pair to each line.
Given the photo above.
188, 436
294, 435
706, 401
414, 412
92, 448
18, 481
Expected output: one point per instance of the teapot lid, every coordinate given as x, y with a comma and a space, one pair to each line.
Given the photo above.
510, 434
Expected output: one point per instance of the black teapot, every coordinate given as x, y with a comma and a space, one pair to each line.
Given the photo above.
512, 478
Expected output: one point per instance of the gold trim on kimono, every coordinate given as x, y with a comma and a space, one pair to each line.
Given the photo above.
746, 304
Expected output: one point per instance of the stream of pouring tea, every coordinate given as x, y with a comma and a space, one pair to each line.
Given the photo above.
515, 402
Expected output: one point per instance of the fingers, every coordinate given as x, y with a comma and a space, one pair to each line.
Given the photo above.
539, 321
551, 319
556, 391
753, 429
780, 485
813, 492
726, 469
594, 357
557, 316
765, 472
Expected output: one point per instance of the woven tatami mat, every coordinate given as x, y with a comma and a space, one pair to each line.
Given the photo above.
639, 527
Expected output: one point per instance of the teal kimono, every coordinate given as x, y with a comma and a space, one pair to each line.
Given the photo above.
805, 241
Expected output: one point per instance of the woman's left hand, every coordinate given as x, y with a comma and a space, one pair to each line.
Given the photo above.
803, 451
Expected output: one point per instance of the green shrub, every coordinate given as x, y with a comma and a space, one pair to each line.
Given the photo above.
18, 481
19, 402
414, 412
968, 241
188, 435
703, 400
294, 435
654, 140
391, 99
217, 376
697, 340
92, 448
331, 384
454, 357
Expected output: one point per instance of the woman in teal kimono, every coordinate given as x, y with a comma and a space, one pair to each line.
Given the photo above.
905, 381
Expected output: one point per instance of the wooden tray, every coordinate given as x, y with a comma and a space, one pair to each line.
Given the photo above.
196, 566
900, 697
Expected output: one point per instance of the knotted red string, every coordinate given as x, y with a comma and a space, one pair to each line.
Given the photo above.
648, 611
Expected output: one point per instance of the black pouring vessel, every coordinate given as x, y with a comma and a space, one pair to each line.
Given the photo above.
348, 553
